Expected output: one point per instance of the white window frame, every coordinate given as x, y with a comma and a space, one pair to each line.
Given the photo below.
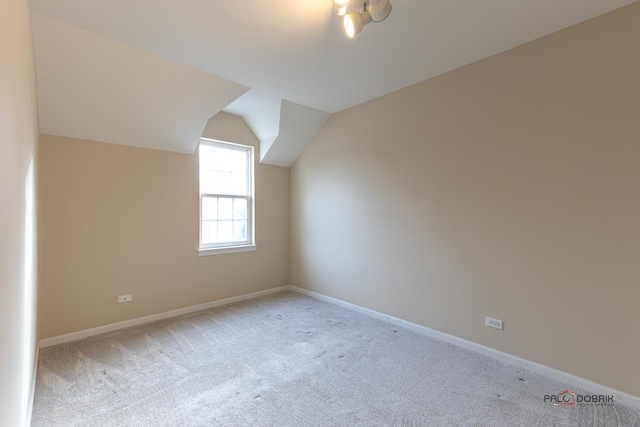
237, 246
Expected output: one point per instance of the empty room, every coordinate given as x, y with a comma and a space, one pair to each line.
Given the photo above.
320, 213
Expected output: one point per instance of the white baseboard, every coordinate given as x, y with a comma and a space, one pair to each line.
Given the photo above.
32, 391
74, 336
585, 384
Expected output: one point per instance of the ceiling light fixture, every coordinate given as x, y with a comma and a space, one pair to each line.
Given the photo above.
341, 6
372, 11
379, 9
354, 21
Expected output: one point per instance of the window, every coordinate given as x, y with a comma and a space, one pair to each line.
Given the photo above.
226, 197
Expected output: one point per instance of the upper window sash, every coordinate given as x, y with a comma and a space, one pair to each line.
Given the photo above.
225, 169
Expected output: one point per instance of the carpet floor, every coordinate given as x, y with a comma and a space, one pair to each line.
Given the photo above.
291, 360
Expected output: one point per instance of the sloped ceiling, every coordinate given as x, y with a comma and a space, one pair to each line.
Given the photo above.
293, 50
90, 87
284, 129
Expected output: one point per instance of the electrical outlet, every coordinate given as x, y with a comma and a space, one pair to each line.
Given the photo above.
493, 323
125, 298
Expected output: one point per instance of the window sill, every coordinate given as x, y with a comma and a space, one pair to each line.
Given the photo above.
226, 250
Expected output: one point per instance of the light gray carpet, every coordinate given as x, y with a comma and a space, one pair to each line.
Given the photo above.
291, 360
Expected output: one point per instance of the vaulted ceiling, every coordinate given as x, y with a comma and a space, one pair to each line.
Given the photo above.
150, 73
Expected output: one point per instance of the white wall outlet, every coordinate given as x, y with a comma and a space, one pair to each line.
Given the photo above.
493, 323
125, 298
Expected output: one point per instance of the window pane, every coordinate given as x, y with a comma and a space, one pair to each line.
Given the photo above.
239, 208
239, 230
225, 209
223, 170
209, 232
232, 160
207, 161
209, 208
226, 182
225, 231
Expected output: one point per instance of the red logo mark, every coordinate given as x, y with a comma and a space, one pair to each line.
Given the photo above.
566, 398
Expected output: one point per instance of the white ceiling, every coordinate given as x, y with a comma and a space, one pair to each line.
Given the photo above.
296, 50
284, 129
90, 87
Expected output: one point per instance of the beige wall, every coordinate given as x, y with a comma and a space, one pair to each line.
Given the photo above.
507, 188
119, 220
18, 136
